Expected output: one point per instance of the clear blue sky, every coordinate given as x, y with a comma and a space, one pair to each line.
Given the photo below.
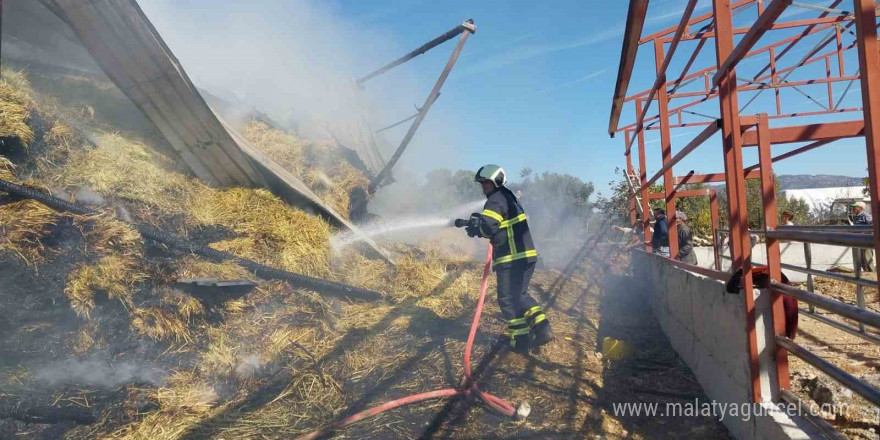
533, 85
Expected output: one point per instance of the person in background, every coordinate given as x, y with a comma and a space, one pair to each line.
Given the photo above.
787, 218
660, 238
685, 240
860, 217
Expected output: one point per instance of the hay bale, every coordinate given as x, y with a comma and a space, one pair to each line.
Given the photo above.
16, 107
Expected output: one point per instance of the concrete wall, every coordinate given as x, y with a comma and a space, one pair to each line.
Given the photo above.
707, 327
823, 257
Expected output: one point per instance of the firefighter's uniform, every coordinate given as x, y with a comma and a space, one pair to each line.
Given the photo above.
503, 221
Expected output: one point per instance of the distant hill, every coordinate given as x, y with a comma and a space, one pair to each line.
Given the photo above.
802, 181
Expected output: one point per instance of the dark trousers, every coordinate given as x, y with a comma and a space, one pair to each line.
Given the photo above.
513, 288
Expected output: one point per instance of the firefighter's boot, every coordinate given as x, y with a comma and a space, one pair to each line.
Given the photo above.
539, 326
519, 335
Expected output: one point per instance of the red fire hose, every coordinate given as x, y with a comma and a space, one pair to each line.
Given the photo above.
470, 386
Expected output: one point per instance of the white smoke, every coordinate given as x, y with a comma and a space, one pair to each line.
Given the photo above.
96, 372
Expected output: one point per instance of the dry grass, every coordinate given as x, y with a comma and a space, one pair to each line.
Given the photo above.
284, 149
88, 336
7, 169
186, 306
267, 229
23, 226
159, 324
184, 391
129, 170
114, 275
270, 231
194, 267
16, 106
322, 167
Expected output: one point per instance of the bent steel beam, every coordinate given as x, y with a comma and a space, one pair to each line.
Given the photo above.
635, 19
468, 28
446, 36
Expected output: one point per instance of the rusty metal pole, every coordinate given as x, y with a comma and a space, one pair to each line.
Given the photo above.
643, 177
713, 211
468, 30
869, 67
741, 251
774, 261
666, 149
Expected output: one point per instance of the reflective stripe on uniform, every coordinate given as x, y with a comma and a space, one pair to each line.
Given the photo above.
513, 221
493, 215
511, 243
531, 311
519, 331
538, 318
514, 257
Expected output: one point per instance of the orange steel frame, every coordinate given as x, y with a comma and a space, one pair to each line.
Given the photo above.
741, 130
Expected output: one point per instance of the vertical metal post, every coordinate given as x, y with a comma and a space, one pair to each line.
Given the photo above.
860, 293
774, 79
808, 256
666, 149
869, 68
741, 250
828, 84
425, 107
643, 176
768, 199
837, 35
630, 172
713, 211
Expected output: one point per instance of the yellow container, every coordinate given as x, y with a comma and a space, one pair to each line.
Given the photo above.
615, 349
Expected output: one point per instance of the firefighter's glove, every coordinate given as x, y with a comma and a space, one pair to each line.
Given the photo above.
473, 226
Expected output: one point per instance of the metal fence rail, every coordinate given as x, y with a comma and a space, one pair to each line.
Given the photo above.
857, 386
848, 231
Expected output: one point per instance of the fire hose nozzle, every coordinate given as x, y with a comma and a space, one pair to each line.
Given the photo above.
522, 411
459, 223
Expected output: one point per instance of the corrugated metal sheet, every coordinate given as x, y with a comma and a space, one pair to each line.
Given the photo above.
131, 53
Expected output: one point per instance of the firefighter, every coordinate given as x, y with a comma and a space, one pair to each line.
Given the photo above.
504, 223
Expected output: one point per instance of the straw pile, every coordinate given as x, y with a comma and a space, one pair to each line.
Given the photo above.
23, 226
321, 166
16, 107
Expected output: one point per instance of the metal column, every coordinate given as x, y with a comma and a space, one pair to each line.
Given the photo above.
768, 199
741, 252
666, 149
869, 62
